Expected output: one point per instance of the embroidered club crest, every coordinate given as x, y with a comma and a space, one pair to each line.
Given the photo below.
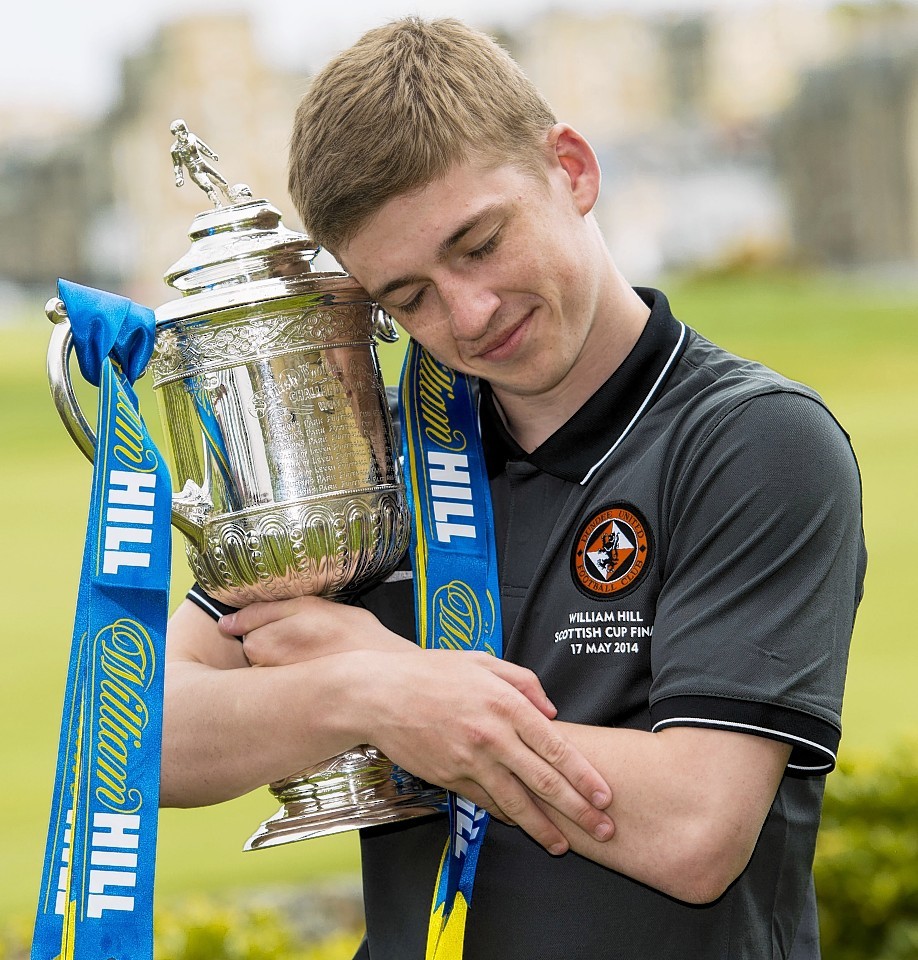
611, 552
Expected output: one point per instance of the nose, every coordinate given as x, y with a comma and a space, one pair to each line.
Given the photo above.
469, 306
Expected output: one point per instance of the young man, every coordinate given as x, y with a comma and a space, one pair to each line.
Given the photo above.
679, 544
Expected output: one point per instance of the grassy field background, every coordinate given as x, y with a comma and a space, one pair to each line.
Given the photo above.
854, 341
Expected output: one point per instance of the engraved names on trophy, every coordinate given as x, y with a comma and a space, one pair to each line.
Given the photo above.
325, 404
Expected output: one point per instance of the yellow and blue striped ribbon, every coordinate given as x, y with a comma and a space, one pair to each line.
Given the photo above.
96, 897
457, 590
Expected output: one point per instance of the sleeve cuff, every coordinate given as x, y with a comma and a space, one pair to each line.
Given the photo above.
213, 608
814, 741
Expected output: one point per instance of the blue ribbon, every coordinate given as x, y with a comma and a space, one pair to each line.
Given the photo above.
105, 326
457, 590
96, 897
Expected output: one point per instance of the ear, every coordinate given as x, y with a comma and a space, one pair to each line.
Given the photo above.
572, 153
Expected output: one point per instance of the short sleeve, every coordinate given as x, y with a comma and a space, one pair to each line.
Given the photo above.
211, 606
762, 576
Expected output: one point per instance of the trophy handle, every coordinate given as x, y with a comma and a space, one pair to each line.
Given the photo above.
383, 326
62, 391
187, 505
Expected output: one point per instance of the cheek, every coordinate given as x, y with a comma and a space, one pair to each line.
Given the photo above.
435, 338
547, 265
572, 278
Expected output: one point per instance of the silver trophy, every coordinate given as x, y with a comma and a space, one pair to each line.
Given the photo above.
281, 443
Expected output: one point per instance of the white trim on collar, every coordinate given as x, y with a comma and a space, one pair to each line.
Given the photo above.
647, 400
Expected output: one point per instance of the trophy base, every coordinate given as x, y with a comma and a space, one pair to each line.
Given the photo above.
360, 788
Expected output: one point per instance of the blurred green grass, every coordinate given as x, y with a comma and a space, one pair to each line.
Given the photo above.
855, 342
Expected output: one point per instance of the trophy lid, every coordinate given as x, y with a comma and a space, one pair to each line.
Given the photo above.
241, 253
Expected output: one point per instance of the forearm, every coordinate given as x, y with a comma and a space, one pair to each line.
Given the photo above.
229, 727
688, 804
330, 677
227, 732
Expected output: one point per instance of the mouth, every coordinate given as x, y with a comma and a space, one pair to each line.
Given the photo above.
505, 345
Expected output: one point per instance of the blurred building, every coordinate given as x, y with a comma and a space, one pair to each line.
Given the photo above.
848, 149
207, 71
622, 75
680, 109
42, 206
100, 206
765, 132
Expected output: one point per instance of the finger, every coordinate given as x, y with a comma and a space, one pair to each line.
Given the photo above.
546, 763
523, 680
261, 613
258, 649
519, 807
553, 789
278, 643
547, 744
558, 773
473, 791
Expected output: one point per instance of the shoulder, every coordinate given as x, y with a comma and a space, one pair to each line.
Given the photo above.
720, 406
718, 379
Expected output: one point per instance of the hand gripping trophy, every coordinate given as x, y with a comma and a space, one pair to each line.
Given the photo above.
281, 445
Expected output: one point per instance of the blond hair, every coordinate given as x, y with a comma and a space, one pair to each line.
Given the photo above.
397, 110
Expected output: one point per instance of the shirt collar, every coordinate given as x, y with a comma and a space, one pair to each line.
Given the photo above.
579, 447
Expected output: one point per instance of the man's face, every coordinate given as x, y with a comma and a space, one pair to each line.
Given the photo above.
490, 269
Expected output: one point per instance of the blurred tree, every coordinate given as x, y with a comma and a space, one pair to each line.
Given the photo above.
866, 877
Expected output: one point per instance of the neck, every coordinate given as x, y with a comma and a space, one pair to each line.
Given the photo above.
616, 328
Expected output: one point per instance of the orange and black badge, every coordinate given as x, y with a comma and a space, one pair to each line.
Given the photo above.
612, 552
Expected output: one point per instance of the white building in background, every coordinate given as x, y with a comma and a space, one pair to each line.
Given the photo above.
757, 55
683, 112
606, 76
207, 71
100, 206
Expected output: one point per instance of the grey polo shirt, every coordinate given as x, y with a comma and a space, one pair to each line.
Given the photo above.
686, 550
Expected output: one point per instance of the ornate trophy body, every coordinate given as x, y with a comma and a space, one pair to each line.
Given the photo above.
281, 443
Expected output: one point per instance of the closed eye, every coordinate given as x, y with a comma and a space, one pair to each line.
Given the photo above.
413, 305
489, 246
478, 253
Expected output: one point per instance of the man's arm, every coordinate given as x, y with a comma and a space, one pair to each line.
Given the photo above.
202, 146
177, 167
688, 804
468, 722
227, 728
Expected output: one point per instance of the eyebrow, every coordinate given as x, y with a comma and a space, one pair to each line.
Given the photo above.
442, 251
